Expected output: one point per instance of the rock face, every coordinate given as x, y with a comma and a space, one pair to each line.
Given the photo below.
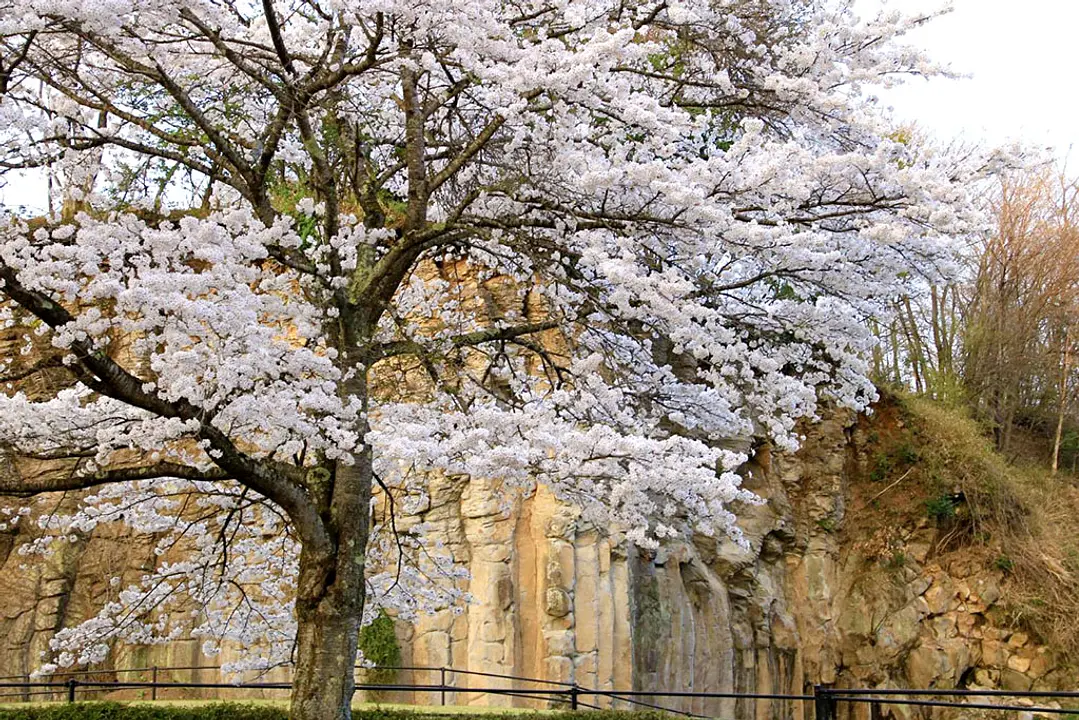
808, 601
813, 599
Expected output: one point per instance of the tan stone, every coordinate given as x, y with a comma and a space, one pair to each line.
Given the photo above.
504, 591
919, 585
994, 653
988, 589
1014, 680
962, 590
964, 623
558, 602
939, 597
1019, 664
900, 631
919, 551
555, 598
944, 626
559, 669
1041, 664
559, 642
1018, 640
923, 666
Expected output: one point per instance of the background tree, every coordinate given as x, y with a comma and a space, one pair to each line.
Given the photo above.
1023, 301
260, 298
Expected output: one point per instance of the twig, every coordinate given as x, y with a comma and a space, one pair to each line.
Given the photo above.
901, 478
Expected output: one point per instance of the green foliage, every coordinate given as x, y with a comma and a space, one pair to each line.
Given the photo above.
1004, 564
117, 711
827, 524
378, 643
306, 226
1069, 448
897, 561
240, 711
902, 453
906, 453
940, 507
882, 465
947, 388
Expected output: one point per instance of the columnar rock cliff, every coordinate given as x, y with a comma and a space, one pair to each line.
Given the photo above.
823, 594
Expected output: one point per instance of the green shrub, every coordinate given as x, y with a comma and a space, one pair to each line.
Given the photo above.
882, 465
906, 453
240, 711
902, 454
378, 643
827, 524
941, 507
118, 711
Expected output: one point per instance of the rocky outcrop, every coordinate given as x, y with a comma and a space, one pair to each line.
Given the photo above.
822, 593
816, 597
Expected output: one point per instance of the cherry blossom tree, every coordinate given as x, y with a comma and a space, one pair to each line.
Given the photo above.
303, 250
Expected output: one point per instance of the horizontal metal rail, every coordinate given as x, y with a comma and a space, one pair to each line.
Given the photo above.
956, 692
894, 700
477, 673
556, 692
691, 694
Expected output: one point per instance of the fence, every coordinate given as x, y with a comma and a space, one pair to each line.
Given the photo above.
825, 701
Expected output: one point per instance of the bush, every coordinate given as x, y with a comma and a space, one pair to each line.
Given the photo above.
378, 643
941, 507
239, 711
118, 711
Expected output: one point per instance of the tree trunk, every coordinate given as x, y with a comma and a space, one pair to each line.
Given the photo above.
330, 591
1066, 363
326, 634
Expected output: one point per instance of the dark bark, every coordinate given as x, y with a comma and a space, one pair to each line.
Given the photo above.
330, 592
328, 625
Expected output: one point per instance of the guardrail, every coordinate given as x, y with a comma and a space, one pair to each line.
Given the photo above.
825, 700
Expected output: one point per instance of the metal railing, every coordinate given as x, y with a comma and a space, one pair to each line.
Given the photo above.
825, 700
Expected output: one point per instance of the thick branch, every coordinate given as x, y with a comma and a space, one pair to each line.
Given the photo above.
279, 482
275, 36
59, 476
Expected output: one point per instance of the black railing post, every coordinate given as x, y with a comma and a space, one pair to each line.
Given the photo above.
71, 685
574, 691
824, 703
153, 679
442, 682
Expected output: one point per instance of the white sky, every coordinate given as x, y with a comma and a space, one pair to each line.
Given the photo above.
1023, 60
1022, 57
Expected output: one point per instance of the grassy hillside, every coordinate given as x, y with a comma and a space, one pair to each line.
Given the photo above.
923, 461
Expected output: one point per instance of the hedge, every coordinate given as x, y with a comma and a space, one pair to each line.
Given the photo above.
142, 711
241, 711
